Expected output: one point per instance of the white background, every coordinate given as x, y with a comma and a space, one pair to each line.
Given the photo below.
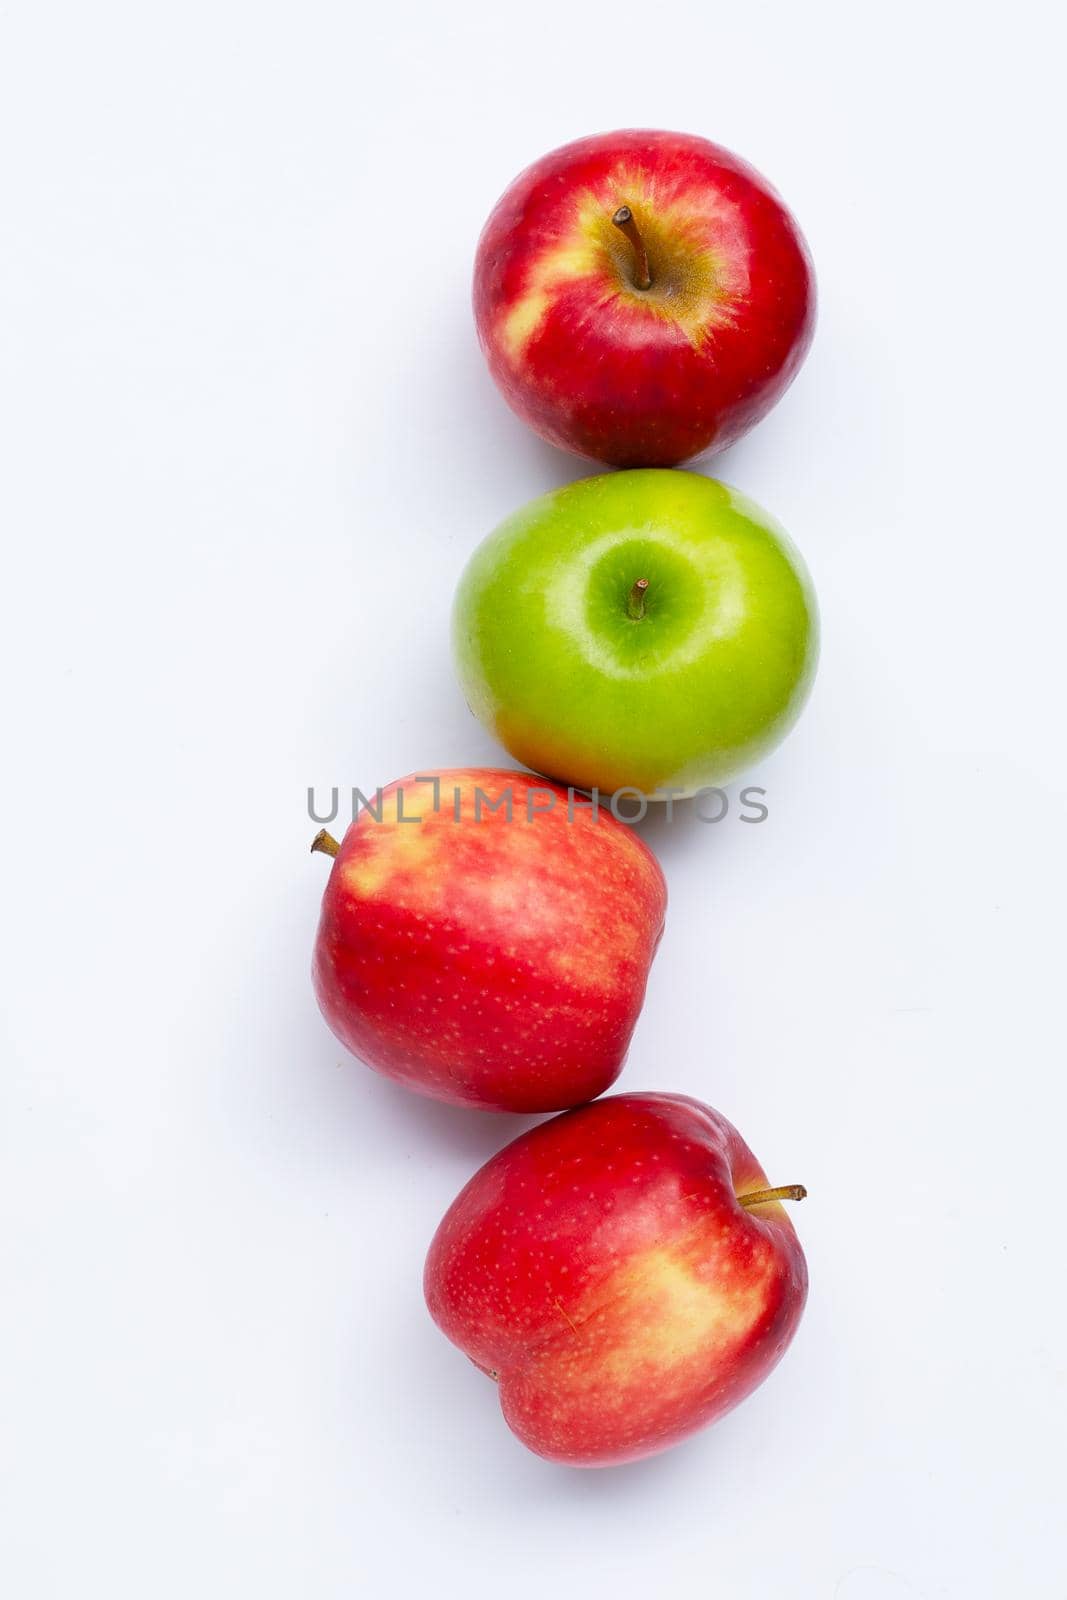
248, 443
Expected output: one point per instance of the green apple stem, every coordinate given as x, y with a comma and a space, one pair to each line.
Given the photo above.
624, 221
761, 1197
325, 842
635, 604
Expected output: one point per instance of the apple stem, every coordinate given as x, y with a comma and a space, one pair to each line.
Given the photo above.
624, 221
325, 842
761, 1197
635, 604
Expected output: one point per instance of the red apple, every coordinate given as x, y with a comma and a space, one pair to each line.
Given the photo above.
642, 297
623, 1272
488, 940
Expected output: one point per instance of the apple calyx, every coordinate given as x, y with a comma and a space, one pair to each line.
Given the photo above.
324, 842
624, 221
635, 602
761, 1197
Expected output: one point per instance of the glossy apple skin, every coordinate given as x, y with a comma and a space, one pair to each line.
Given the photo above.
707, 682
643, 377
601, 1269
486, 962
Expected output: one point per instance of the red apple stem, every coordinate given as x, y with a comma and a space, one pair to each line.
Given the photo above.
324, 842
624, 221
761, 1197
635, 604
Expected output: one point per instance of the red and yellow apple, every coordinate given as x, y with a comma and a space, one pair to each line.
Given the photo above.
486, 938
642, 297
624, 1272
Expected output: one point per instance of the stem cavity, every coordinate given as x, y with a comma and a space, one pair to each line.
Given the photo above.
624, 221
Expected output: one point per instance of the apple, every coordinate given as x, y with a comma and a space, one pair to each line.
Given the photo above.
642, 297
486, 939
624, 1272
651, 629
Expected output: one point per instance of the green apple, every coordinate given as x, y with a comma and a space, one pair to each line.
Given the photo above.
652, 630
